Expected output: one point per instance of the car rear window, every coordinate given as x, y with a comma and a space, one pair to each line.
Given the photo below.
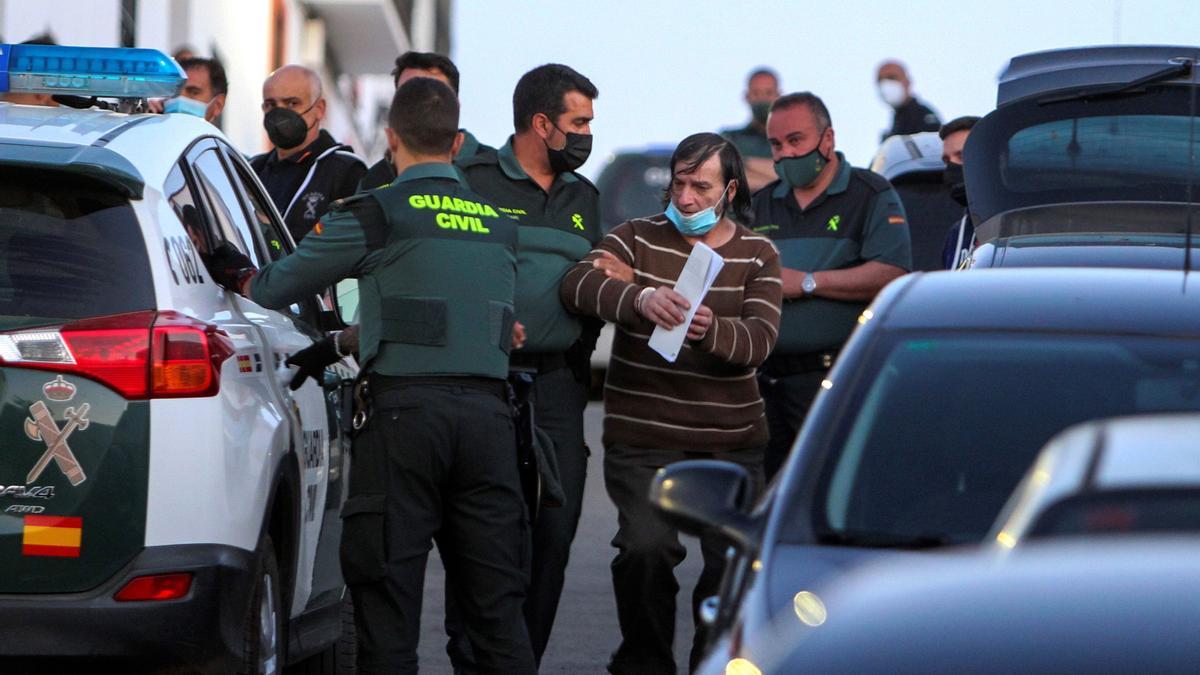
1128, 512
950, 423
69, 249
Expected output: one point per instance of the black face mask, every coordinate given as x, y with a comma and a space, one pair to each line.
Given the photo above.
286, 128
572, 155
952, 177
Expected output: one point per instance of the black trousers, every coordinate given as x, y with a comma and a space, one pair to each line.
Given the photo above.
559, 402
437, 463
787, 399
648, 551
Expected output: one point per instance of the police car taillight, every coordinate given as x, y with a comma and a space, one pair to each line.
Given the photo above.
156, 587
141, 355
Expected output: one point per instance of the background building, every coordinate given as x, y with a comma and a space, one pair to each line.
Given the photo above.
352, 43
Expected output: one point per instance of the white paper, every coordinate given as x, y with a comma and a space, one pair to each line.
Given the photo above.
697, 277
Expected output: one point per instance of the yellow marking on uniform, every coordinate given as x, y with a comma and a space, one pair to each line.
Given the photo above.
456, 204
453, 221
514, 212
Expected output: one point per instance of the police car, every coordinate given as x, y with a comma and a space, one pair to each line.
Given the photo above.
164, 496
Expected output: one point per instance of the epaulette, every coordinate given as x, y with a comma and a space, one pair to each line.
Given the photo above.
873, 180
349, 203
583, 179
478, 159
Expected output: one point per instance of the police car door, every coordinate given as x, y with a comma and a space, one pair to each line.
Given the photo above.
285, 333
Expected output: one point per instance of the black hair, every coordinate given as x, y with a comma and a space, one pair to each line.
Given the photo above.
543, 89
806, 98
424, 114
426, 61
964, 123
216, 72
46, 38
763, 70
695, 150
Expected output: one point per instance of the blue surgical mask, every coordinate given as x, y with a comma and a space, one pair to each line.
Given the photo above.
185, 105
696, 224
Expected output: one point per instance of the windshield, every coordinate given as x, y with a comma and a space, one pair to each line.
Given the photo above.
1131, 148
69, 249
949, 425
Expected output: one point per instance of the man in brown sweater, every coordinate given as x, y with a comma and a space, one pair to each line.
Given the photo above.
704, 405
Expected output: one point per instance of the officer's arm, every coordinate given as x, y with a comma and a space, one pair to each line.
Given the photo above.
886, 247
588, 290
332, 251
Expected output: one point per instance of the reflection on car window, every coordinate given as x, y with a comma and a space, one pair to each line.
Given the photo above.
950, 424
183, 202
224, 201
262, 215
1104, 152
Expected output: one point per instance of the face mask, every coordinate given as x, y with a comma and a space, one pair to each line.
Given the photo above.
760, 110
953, 178
286, 128
186, 106
697, 224
572, 155
802, 171
892, 92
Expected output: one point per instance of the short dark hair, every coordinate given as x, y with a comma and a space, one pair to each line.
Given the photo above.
763, 71
964, 123
426, 61
216, 72
542, 90
695, 150
424, 114
805, 98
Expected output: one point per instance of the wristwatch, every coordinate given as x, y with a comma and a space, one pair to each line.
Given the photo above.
809, 285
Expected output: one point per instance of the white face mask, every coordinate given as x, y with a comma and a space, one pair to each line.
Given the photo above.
892, 92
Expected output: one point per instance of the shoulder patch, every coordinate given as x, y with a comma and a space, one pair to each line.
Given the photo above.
873, 180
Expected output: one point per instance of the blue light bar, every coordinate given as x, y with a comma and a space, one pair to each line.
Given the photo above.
88, 71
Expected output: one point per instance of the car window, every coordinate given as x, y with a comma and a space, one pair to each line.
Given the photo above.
69, 249
268, 227
188, 209
950, 423
1123, 512
631, 186
225, 203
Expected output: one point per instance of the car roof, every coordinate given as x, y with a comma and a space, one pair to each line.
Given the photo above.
1062, 70
1057, 606
905, 153
1139, 451
150, 143
1085, 300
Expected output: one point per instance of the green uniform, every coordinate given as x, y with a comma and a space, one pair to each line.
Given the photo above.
447, 310
556, 229
750, 140
383, 172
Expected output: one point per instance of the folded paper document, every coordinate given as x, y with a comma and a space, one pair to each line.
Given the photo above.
697, 276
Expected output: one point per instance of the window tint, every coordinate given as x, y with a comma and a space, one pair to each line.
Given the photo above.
950, 424
69, 249
268, 228
225, 203
188, 210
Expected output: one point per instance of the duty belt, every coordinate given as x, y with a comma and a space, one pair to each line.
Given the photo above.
793, 364
541, 363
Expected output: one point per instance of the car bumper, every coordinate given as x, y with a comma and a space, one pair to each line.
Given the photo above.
202, 630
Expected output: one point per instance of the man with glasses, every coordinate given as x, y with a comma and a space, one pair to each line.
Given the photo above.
306, 169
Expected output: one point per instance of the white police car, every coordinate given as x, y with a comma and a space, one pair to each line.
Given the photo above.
164, 496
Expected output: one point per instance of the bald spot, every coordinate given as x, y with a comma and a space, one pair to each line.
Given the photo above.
293, 81
892, 70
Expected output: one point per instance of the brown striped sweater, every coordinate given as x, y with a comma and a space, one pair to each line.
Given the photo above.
708, 399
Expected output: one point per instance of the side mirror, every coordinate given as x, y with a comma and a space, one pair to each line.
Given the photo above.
702, 494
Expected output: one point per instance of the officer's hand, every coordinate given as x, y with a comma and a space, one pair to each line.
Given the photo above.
229, 267
155, 105
518, 335
614, 267
312, 361
700, 323
665, 307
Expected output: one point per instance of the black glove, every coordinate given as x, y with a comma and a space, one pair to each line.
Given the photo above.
312, 361
229, 266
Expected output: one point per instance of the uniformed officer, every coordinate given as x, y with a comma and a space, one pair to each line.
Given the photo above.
437, 457
422, 64
532, 178
307, 170
910, 115
762, 88
842, 236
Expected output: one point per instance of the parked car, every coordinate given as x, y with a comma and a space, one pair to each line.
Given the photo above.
167, 499
1088, 159
929, 419
1085, 606
913, 164
1122, 476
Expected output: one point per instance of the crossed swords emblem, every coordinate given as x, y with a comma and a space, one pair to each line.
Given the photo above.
43, 428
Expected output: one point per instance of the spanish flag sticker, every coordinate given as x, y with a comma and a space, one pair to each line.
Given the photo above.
57, 536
